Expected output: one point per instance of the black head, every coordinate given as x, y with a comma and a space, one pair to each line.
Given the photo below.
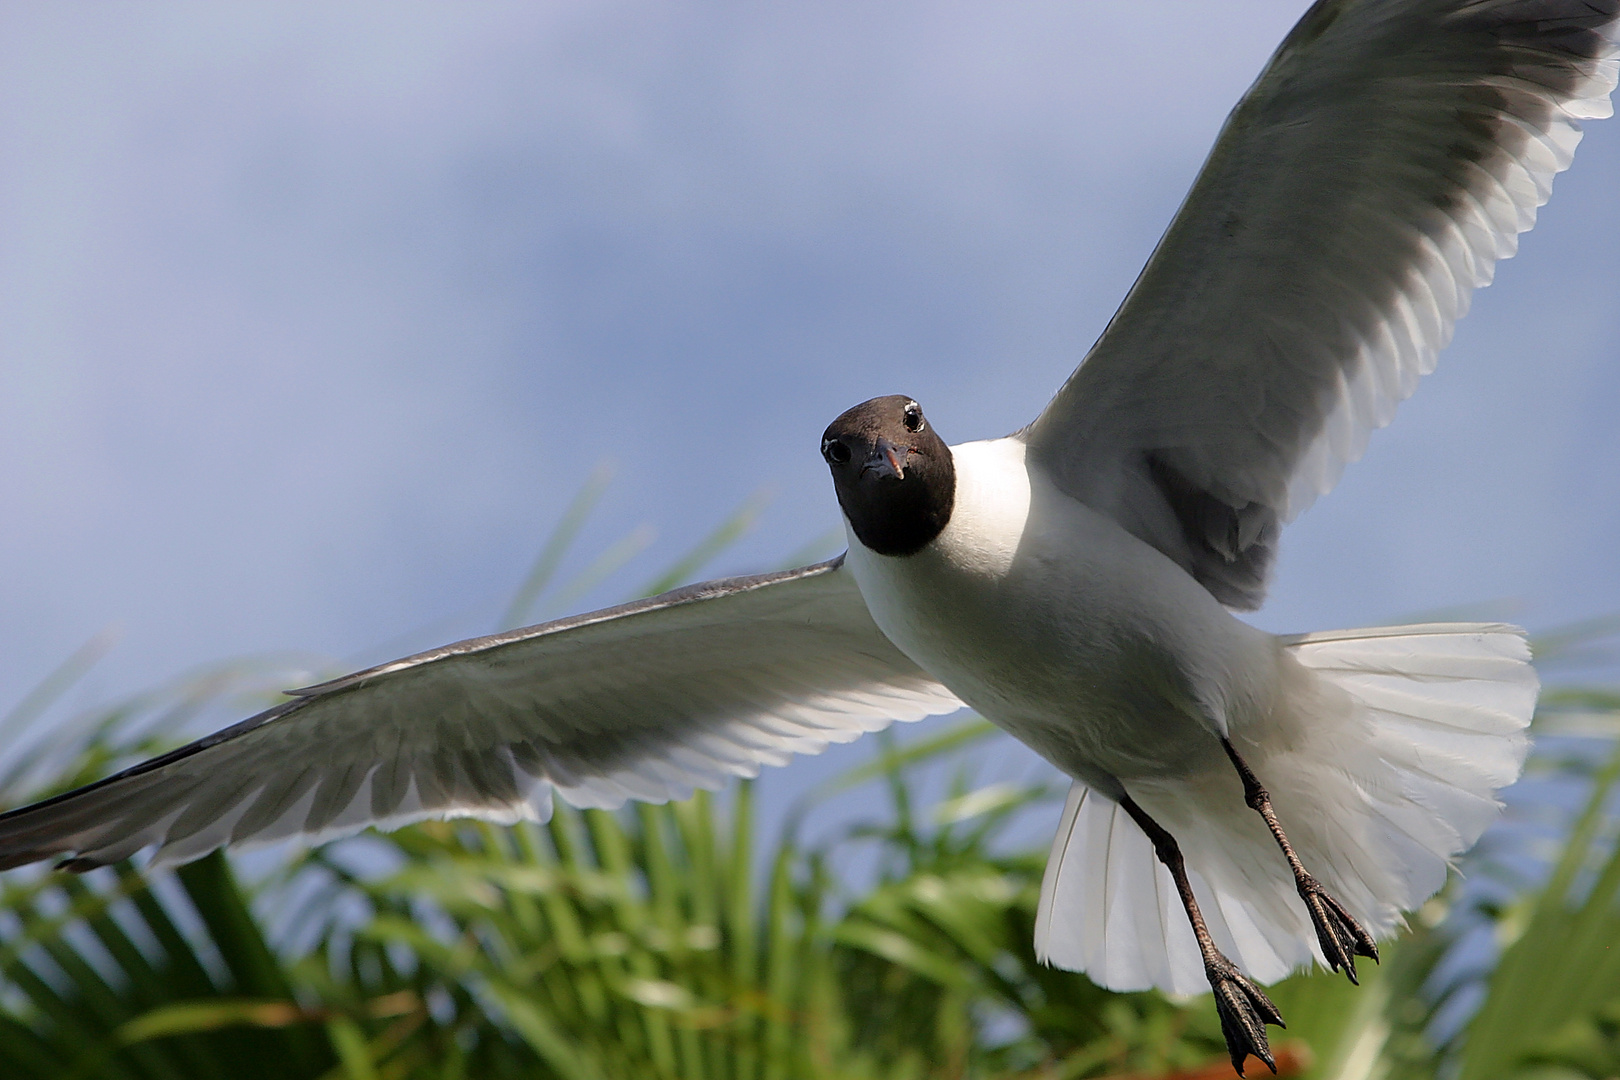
895, 477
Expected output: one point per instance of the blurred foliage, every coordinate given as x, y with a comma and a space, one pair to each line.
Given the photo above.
676, 941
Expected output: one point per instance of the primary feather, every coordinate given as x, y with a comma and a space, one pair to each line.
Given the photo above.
649, 700
1385, 160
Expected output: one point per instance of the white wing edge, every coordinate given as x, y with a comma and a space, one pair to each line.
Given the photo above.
1483, 230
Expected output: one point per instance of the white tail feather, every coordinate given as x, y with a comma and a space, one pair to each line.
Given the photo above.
1382, 765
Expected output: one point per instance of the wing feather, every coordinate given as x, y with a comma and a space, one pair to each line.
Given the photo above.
650, 700
1388, 156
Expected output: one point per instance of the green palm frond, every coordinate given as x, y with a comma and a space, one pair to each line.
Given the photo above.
680, 942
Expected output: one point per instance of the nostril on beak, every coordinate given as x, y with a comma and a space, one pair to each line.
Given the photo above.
888, 460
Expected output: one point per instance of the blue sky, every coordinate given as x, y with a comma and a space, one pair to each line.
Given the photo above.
313, 317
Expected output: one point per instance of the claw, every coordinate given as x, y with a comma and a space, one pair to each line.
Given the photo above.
1244, 1011
1341, 937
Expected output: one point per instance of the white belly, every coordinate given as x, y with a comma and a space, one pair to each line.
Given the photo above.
1062, 628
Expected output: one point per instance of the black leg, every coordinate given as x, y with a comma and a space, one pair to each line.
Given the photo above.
1341, 937
1244, 1010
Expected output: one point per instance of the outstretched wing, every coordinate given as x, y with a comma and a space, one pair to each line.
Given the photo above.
1389, 155
643, 701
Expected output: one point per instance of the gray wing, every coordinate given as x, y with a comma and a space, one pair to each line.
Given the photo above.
643, 701
1389, 154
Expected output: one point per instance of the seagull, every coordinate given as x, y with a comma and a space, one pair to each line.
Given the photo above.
1242, 804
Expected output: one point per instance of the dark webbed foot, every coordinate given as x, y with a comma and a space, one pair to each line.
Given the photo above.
1244, 1011
1341, 937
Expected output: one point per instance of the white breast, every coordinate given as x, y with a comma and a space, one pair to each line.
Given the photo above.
1055, 623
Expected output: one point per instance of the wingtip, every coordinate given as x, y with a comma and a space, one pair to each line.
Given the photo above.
10, 860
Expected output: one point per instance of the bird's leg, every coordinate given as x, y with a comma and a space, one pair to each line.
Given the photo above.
1341, 937
1244, 1010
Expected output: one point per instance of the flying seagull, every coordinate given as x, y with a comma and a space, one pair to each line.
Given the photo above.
1242, 803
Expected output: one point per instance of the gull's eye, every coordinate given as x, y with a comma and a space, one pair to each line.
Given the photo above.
913, 418
834, 451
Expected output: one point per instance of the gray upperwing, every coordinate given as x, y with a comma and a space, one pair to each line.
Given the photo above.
647, 700
1389, 155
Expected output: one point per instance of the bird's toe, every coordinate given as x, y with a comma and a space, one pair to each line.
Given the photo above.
1342, 938
1244, 1011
